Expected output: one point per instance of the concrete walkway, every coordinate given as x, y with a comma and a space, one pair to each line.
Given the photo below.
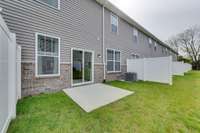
91, 97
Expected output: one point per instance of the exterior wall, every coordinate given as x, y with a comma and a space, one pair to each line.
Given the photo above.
124, 42
98, 73
118, 75
32, 85
79, 24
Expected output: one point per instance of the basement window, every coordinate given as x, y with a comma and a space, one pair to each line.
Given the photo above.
47, 55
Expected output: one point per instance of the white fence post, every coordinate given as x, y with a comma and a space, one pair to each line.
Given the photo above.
12, 75
18, 75
7, 76
170, 70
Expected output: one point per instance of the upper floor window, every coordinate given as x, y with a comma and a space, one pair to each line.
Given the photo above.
135, 34
47, 55
114, 23
163, 50
150, 42
166, 51
113, 60
52, 3
155, 46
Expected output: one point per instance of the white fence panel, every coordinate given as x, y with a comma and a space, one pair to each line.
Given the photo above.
187, 67
178, 68
136, 66
4, 112
158, 70
152, 69
7, 76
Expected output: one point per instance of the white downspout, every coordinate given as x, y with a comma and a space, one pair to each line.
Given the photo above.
103, 46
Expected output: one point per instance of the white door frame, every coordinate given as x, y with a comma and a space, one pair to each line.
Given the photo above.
83, 50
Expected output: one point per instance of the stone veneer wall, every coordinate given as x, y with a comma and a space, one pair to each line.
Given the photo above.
116, 76
98, 73
32, 85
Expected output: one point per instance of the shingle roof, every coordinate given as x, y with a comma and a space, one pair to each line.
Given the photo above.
124, 16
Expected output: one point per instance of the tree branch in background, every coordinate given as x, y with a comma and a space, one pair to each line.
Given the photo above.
187, 44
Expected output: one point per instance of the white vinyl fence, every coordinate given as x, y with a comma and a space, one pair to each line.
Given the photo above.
188, 67
152, 69
8, 76
179, 68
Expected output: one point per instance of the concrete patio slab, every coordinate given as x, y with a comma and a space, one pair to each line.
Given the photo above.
91, 97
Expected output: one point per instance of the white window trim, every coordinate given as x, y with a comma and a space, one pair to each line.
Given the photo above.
50, 5
36, 57
114, 50
111, 14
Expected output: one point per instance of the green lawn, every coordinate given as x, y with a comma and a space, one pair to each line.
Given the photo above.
154, 108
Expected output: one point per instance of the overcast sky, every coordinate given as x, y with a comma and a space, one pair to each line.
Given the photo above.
163, 18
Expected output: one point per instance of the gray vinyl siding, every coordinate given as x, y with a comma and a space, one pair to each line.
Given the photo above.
78, 23
124, 41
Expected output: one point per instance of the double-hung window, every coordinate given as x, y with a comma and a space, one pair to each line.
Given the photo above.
166, 50
150, 42
113, 60
52, 3
47, 55
135, 35
114, 23
155, 46
163, 50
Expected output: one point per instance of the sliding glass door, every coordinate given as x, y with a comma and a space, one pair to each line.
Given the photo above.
82, 67
77, 67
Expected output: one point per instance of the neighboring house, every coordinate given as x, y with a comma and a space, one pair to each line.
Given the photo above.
74, 42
